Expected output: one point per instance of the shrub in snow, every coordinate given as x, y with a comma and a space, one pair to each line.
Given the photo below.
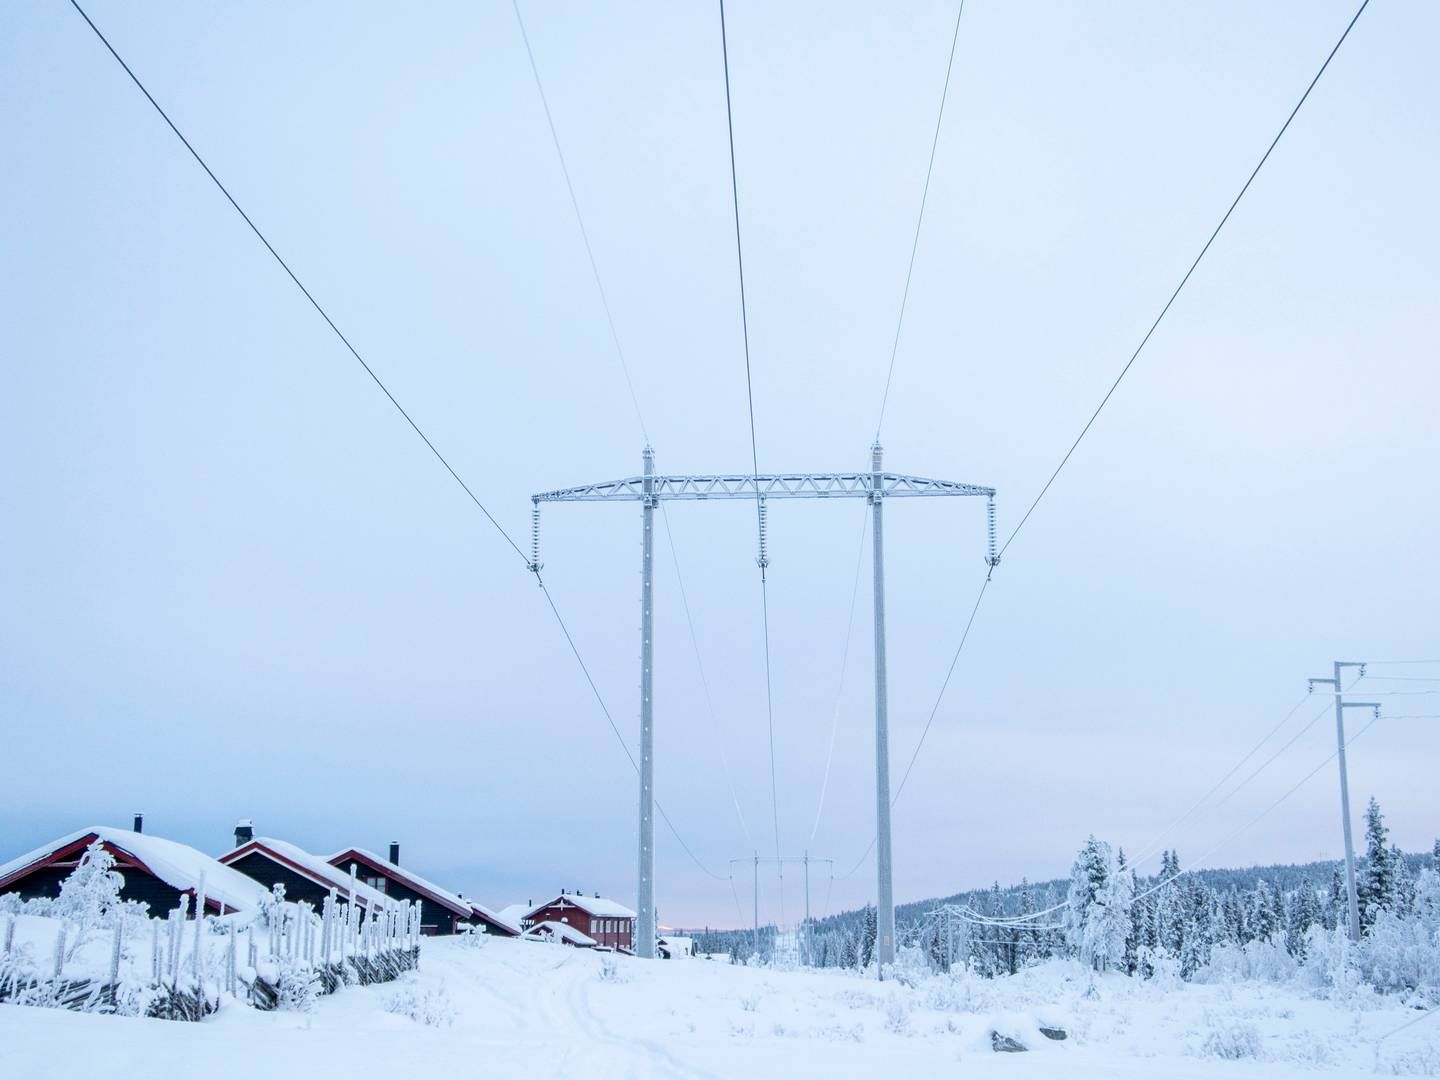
1231, 1039
1400, 954
1263, 961
897, 1016
298, 985
430, 1006
610, 969
1164, 969
911, 967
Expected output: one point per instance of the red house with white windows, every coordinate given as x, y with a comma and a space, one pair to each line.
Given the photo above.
611, 924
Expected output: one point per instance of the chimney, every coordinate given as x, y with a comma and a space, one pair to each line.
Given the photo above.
139, 823
244, 831
395, 852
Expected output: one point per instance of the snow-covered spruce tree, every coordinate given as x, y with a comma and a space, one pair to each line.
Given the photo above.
1337, 911
1097, 913
1029, 947
1265, 917
867, 937
1404, 883
1200, 909
90, 893
1134, 928
1304, 912
1376, 886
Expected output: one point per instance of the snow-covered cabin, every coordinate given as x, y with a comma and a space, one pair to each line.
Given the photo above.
673, 948
307, 878
441, 911
611, 924
559, 932
156, 871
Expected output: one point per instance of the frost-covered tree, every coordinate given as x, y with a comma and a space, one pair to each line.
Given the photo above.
1097, 913
1337, 909
867, 937
1303, 913
1376, 888
1266, 915
91, 892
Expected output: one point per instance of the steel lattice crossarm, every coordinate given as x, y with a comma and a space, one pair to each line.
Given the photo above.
765, 485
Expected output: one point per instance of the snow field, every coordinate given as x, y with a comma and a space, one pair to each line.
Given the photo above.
499, 1007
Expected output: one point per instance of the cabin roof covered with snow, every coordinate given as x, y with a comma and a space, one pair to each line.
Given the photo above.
444, 897
311, 866
594, 905
174, 863
550, 929
454, 902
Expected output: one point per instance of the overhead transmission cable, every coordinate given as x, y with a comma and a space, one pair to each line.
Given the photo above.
299, 284
763, 559
1176, 293
840, 682
1197, 865
580, 220
1130, 363
634, 399
919, 220
392, 399
704, 680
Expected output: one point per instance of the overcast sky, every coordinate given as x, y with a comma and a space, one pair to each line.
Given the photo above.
236, 584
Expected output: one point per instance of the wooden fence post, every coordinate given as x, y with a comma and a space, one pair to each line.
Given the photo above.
60, 951
115, 953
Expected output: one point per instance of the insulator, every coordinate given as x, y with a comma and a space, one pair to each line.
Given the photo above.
992, 559
763, 560
535, 563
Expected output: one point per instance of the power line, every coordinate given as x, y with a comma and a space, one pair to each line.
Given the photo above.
919, 220
298, 283
391, 397
599, 700
704, 681
1149, 850
955, 659
840, 683
580, 220
1154, 325
1143, 341
754, 446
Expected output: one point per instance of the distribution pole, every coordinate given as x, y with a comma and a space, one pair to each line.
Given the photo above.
1352, 897
755, 939
645, 924
884, 889
807, 909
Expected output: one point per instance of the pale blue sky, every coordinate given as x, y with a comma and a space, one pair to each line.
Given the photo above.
236, 584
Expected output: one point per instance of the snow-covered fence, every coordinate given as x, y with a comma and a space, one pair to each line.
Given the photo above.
342, 945
90, 953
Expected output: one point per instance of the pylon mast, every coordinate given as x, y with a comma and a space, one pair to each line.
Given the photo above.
649, 489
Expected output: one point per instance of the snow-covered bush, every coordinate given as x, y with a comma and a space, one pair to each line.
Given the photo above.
1400, 954
897, 1015
911, 967
1263, 961
299, 986
1164, 969
610, 969
430, 1006
1230, 1039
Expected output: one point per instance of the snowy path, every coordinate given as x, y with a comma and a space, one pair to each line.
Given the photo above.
529, 1010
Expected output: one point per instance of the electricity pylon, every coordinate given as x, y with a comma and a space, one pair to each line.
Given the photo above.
648, 490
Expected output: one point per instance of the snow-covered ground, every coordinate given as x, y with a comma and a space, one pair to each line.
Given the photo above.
514, 1008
